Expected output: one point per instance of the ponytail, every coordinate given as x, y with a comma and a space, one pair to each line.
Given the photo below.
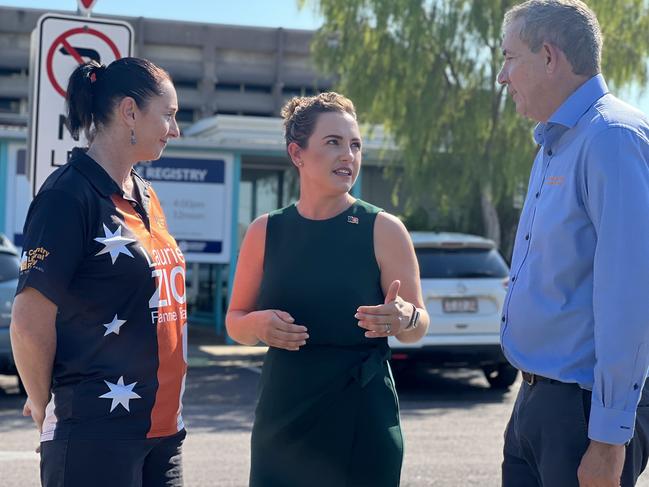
94, 90
79, 98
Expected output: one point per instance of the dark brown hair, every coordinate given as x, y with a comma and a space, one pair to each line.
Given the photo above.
94, 90
301, 114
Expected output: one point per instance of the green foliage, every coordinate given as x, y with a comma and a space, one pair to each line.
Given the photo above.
427, 69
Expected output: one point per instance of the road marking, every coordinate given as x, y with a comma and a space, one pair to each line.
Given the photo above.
7, 456
256, 370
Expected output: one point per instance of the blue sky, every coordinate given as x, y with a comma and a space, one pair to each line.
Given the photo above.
284, 13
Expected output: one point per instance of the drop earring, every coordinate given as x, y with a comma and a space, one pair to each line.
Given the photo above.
133, 139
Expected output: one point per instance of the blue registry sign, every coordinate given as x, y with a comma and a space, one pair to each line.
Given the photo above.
195, 194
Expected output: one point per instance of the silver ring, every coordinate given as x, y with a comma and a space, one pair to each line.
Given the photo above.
388, 327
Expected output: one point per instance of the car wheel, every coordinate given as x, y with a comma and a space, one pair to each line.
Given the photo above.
501, 376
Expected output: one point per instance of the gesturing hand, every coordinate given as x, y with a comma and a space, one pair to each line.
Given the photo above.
385, 319
277, 329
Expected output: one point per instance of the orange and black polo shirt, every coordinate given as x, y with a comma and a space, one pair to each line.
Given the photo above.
118, 278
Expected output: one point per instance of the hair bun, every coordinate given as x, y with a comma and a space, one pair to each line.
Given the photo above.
293, 106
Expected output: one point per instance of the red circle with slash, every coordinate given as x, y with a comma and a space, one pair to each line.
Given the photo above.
63, 40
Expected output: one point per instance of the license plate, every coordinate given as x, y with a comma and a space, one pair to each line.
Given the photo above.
460, 305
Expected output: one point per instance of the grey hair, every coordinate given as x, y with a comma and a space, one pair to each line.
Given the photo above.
567, 24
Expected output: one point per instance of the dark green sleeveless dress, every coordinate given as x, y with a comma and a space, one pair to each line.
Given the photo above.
327, 415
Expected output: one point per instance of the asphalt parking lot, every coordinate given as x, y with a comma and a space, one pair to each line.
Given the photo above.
452, 424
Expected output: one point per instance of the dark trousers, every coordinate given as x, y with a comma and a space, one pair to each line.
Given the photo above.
547, 436
151, 462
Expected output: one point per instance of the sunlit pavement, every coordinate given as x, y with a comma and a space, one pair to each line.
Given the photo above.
452, 424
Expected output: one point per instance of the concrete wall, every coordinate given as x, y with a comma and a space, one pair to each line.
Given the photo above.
217, 68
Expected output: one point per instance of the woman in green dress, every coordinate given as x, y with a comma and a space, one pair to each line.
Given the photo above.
323, 283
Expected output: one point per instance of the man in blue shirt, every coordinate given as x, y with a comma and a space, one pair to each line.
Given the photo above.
576, 318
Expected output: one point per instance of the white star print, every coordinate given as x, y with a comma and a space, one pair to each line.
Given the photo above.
114, 326
120, 394
114, 243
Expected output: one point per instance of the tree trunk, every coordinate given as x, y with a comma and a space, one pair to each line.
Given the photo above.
489, 215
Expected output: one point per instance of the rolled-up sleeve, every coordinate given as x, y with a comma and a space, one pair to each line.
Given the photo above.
617, 201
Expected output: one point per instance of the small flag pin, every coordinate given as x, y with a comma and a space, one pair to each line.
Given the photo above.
352, 219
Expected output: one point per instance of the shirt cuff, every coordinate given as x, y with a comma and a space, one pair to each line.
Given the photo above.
609, 425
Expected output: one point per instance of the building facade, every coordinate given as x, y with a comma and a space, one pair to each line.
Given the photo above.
232, 82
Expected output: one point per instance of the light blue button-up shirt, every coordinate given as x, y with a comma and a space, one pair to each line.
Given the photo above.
577, 309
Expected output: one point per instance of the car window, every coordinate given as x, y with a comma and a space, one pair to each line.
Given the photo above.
436, 263
9, 267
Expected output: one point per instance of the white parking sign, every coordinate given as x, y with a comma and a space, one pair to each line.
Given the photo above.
59, 44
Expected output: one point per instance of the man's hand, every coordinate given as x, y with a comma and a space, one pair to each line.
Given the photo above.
601, 465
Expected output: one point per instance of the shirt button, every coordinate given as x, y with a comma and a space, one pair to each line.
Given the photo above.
538, 193
502, 319
527, 237
550, 152
513, 278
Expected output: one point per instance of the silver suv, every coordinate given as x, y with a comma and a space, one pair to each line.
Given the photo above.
9, 267
464, 281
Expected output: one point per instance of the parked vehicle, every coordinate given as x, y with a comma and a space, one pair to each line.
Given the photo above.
9, 267
464, 282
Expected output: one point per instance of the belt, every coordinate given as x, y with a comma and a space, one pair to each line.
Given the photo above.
531, 379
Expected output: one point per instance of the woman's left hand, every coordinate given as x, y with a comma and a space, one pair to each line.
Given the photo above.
387, 319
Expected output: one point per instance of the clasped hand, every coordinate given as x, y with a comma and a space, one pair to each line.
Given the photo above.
277, 329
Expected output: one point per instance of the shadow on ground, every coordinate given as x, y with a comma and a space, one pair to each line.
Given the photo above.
221, 392
431, 392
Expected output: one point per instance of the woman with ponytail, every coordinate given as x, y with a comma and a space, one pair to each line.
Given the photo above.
99, 342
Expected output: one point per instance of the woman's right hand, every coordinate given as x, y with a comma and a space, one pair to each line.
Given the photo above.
37, 413
38, 416
278, 329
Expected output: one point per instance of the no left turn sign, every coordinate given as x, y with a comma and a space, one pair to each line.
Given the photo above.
64, 45
59, 44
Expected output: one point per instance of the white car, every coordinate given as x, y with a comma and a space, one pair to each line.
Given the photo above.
9, 267
464, 281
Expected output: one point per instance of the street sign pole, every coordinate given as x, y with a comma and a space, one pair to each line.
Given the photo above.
84, 7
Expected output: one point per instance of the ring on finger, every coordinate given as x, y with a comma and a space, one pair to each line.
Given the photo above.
388, 327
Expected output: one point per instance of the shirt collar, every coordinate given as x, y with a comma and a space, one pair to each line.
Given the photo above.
100, 179
142, 189
572, 109
96, 174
